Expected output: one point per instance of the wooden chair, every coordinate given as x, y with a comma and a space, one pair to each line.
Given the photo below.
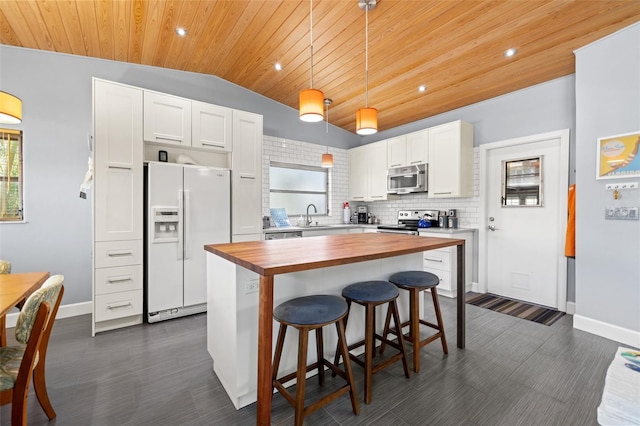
18, 363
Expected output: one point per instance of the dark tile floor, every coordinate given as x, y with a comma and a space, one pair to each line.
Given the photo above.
512, 372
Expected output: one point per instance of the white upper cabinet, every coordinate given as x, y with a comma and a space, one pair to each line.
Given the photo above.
118, 151
407, 150
397, 152
167, 119
418, 147
451, 160
211, 127
368, 172
246, 175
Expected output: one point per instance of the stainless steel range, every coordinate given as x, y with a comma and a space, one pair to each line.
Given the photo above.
408, 221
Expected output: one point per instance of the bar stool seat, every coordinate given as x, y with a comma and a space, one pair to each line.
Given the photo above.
306, 314
371, 294
415, 282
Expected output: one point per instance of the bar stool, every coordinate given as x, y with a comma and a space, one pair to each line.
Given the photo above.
305, 314
415, 282
371, 294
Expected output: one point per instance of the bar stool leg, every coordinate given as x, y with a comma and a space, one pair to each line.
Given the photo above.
276, 361
414, 308
368, 350
301, 375
436, 305
342, 341
336, 359
396, 318
320, 355
385, 332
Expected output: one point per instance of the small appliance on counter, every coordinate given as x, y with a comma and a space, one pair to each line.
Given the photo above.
363, 215
452, 219
409, 221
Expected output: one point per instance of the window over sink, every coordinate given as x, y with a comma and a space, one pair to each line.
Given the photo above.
294, 186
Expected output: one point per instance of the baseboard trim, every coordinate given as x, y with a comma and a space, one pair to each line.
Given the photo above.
64, 311
571, 308
610, 331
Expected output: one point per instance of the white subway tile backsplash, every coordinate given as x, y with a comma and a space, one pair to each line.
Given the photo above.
297, 152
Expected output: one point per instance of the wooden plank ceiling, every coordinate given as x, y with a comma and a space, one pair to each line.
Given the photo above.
454, 47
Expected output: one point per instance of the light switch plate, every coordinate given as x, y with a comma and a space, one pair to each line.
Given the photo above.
251, 286
621, 213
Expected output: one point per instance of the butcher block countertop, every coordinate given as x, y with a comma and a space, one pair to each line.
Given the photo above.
268, 258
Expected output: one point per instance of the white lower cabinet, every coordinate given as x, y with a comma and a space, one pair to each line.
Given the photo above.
444, 262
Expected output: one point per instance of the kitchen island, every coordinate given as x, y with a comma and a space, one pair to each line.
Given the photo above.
281, 270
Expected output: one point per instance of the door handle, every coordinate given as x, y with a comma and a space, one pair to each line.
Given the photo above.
492, 228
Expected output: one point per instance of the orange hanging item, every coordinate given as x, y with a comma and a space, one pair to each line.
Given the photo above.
570, 243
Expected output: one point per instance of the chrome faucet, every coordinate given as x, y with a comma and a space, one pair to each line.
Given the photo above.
314, 209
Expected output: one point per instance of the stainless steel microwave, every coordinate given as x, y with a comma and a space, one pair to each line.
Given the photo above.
407, 179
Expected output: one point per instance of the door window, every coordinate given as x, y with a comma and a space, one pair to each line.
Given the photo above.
522, 182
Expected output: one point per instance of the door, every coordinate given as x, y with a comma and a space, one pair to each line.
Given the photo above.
207, 218
164, 244
520, 245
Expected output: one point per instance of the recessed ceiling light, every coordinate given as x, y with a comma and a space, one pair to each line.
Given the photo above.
278, 66
422, 88
509, 53
181, 31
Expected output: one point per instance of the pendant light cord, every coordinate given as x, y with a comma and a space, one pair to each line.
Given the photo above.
311, 38
366, 56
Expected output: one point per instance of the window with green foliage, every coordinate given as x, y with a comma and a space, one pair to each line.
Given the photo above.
11, 175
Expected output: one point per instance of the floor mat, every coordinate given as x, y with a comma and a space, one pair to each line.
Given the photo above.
515, 308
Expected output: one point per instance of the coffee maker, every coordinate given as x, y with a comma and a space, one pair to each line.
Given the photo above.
362, 214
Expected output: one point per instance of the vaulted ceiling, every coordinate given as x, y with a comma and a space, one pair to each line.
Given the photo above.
454, 47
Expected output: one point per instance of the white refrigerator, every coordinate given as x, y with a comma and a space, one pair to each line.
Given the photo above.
187, 207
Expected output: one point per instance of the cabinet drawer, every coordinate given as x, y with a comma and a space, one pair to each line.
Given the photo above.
118, 305
118, 253
122, 278
445, 279
437, 259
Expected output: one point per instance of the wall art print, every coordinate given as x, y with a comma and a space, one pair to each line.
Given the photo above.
618, 156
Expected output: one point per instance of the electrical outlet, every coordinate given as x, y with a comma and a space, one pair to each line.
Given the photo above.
621, 213
622, 185
251, 286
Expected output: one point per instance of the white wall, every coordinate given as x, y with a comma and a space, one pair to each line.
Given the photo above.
607, 252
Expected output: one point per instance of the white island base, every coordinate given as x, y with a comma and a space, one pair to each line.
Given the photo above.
232, 315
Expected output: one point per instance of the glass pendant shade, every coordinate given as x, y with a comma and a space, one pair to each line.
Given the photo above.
366, 121
10, 109
327, 160
311, 105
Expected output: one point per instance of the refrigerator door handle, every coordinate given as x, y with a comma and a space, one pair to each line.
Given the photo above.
180, 224
187, 224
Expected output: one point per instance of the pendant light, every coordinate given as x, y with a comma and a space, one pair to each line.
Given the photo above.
366, 118
10, 109
327, 159
311, 108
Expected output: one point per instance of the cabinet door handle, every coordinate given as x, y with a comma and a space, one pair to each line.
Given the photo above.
433, 260
247, 177
119, 253
376, 196
216, 145
442, 193
115, 280
415, 162
358, 198
164, 138
119, 167
119, 305
394, 165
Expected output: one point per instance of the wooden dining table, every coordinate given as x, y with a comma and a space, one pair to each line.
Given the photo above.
270, 258
15, 288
